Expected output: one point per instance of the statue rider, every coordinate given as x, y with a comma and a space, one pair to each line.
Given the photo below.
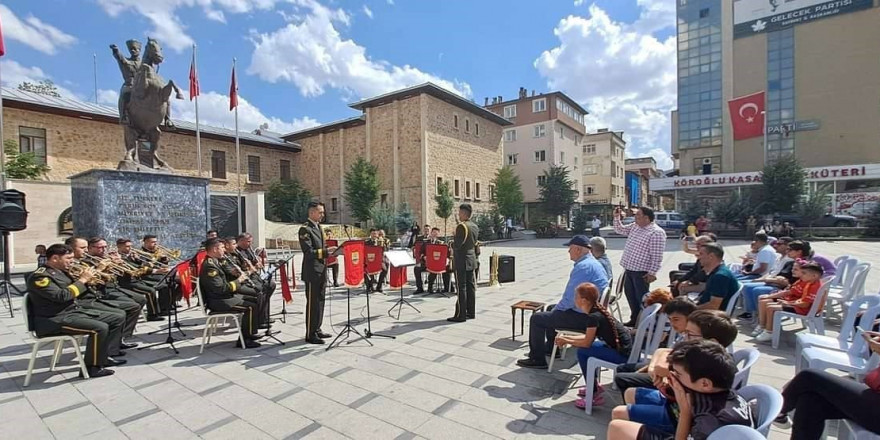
129, 68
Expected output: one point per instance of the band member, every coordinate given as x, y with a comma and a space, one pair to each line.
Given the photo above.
222, 295
131, 282
212, 233
109, 289
244, 249
314, 274
332, 262
158, 276
465, 263
254, 287
433, 238
373, 284
52, 296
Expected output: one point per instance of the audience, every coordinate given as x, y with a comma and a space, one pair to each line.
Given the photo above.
660, 295
720, 283
694, 280
597, 248
802, 250
798, 299
779, 277
765, 257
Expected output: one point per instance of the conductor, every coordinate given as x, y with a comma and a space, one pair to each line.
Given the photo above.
314, 274
464, 248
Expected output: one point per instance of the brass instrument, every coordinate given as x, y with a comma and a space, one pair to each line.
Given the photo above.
172, 254
149, 258
114, 268
493, 273
78, 268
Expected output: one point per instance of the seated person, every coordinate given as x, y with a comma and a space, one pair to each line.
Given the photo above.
799, 299
802, 250
565, 315
597, 248
720, 284
747, 261
765, 257
696, 398
779, 277
660, 295
604, 337
221, 294
713, 325
818, 396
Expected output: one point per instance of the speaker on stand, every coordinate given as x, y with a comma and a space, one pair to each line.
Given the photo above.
13, 217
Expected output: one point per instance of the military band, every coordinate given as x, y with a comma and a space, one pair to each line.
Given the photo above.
377, 238
314, 271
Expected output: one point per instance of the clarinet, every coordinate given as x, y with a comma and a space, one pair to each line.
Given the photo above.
247, 281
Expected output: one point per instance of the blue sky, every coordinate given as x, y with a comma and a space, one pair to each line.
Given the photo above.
301, 61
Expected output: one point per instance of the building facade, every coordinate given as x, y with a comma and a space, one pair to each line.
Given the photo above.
603, 177
639, 172
548, 129
417, 137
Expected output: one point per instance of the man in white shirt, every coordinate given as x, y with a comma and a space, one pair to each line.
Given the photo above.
595, 225
765, 259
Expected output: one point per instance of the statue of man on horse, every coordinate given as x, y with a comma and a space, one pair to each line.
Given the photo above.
144, 103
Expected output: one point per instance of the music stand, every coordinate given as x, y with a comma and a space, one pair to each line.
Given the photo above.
169, 339
400, 259
265, 278
348, 328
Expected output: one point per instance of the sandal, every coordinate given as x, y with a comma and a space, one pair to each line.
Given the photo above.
582, 404
582, 391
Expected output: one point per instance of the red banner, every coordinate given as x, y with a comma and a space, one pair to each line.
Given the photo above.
373, 259
436, 255
747, 116
200, 258
353, 254
185, 278
397, 276
418, 250
285, 284
331, 259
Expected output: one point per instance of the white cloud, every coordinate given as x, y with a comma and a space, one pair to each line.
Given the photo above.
167, 25
664, 160
621, 72
15, 74
368, 12
34, 33
214, 110
108, 97
390, 2
310, 53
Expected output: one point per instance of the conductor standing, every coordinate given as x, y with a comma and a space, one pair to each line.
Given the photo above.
314, 274
464, 251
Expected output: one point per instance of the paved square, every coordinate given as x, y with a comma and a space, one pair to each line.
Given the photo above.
436, 380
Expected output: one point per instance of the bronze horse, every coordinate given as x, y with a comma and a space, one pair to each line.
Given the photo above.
149, 107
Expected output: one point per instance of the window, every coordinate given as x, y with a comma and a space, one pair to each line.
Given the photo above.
589, 169
561, 132
455, 121
383, 200
510, 111
439, 182
285, 170
218, 164
253, 169
33, 140
577, 139
540, 156
539, 105
456, 189
477, 191
491, 193
542, 180
512, 158
476, 128
467, 125
510, 135
590, 149
334, 204
704, 12
562, 157
540, 131
590, 190
467, 189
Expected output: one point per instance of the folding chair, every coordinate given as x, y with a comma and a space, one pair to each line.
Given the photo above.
59, 340
213, 319
769, 403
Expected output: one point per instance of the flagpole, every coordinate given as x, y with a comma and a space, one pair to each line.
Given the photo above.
2, 144
95, 69
198, 130
237, 157
766, 147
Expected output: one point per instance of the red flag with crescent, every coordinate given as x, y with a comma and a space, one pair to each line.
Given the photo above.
436, 255
747, 116
285, 284
373, 259
353, 256
331, 259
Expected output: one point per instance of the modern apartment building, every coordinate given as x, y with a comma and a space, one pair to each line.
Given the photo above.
548, 129
604, 158
639, 171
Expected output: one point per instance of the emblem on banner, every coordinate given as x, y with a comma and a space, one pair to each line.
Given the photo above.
436, 255
371, 257
355, 257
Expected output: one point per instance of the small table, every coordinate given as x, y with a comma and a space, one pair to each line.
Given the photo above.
522, 306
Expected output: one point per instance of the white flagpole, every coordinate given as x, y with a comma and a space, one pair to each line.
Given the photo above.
198, 130
2, 147
237, 157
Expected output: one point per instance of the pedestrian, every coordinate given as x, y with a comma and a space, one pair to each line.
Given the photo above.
595, 225
642, 256
750, 226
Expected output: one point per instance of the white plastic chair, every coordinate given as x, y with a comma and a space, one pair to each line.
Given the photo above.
612, 300
849, 430
731, 303
847, 330
59, 340
857, 361
769, 403
213, 319
852, 289
738, 432
564, 349
660, 329
813, 320
640, 341
842, 269
748, 357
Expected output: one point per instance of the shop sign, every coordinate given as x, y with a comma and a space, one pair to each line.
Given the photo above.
752, 17
785, 129
817, 174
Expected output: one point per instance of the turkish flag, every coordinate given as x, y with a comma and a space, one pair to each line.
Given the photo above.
186, 288
353, 254
2, 46
331, 259
233, 91
193, 78
747, 116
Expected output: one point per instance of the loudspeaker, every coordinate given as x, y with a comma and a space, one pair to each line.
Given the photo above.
506, 269
13, 215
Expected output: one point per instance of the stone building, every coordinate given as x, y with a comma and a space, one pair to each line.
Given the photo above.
417, 137
604, 156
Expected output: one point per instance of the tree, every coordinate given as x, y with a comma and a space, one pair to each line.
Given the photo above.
484, 223
43, 87
22, 165
581, 222
813, 207
445, 203
734, 210
783, 185
508, 193
287, 201
404, 219
362, 189
383, 218
557, 192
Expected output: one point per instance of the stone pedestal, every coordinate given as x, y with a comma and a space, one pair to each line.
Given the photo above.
123, 204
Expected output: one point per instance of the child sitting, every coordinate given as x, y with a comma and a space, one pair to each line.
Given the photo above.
798, 299
696, 398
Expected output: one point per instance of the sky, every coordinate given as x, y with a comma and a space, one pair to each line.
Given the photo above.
300, 62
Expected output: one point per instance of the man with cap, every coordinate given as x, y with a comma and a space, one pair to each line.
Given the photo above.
565, 315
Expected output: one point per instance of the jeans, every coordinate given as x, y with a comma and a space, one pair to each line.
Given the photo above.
751, 292
817, 396
601, 351
542, 329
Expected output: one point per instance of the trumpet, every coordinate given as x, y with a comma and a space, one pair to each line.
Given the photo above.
147, 257
78, 268
117, 269
173, 254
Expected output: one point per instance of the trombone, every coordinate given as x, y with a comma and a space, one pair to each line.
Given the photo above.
148, 258
173, 254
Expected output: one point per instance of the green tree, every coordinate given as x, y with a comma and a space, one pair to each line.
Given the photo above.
445, 204
287, 201
581, 222
22, 165
383, 218
497, 221
404, 219
484, 223
43, 87
734, 210
557, 192
362, 189
813, 207
508, 193
783, 185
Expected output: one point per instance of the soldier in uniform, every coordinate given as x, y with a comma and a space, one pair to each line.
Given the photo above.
246, 254
253, 287
52, 296
373, 284
137, 284
110, 290
222, 295
129, 68
465, 263
157, 275
433, 238
314, 271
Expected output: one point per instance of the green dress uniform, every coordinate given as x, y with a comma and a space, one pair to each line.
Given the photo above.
167, 298
141, 287
250, 289
465, 263
221, 295
314, 275
265, 287
55, 310
109, 293
374, 284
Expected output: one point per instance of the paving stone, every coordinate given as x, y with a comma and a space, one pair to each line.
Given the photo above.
358, 425
159, 426
439, 428
266, 415
237, 429
312, 405
22, 421
77, 422
395, 413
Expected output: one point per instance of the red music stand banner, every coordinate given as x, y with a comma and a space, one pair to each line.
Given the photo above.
373, 259
436, 255
353, 256
397, 277
418, 249
331, 259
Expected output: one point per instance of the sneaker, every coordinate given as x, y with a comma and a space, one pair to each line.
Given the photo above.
782, 421
764, 337
598, 400
758, 330
582, 391
745, 315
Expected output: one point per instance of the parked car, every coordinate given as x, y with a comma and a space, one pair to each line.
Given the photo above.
861, 209
669, 220
828, 220
628, 220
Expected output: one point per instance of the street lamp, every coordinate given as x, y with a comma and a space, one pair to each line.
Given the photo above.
766, 147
